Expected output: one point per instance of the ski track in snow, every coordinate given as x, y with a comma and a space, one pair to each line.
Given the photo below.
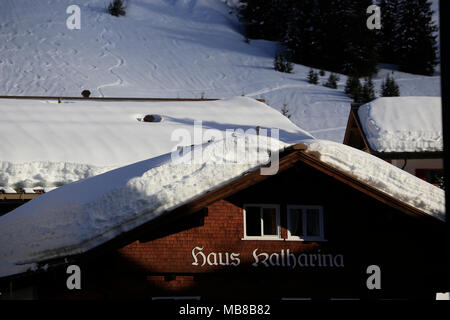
164, 48
268, 90
120, 60
326, 130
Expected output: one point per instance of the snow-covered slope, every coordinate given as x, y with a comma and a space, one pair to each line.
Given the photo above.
47, 143
163, 48
403, 124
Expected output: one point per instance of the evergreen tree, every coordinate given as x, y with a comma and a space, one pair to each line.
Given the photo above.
331, 35
389, 87
353, 88
302, 37
332, 81
388, 36
368, 91
264, 19
281, 63
418, 47
360, 54
313, 77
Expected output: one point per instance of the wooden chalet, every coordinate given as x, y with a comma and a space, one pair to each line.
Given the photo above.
427, 165
309, 232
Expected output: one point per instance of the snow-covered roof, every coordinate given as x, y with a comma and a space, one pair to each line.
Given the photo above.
47, 143
381, 175
403, 124
7, 190
82, 215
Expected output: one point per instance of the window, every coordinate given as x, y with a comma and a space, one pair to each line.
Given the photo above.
305, 223
262, 222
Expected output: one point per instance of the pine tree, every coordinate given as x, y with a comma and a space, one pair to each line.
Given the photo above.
353, 88
418, 47
313, 77
368, 91
281, 63
359, 54
331, 35
264, 19
332, 81
301, 37
389, 87
388, 36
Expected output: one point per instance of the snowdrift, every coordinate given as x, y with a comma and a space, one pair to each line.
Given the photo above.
82, 215
403, 124
45, 143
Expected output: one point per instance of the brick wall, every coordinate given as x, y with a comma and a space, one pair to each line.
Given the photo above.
361, 229
221, 233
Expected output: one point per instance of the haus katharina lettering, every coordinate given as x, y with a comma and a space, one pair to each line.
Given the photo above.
285, 258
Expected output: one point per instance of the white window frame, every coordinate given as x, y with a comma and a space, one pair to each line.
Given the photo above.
291, 237
262, 236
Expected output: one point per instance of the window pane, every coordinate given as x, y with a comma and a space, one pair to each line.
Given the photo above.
252, 221
296, 222
270, 221
312, 222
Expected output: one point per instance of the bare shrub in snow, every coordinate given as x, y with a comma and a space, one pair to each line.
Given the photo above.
285, 111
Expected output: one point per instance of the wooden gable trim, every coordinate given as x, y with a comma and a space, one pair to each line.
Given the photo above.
18, 196
364, 187
350, 127
251, 178
353, 124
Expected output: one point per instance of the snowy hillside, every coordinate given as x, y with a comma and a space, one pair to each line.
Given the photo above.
163, 48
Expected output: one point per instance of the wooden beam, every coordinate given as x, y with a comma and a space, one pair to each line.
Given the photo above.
298, 146
364, 187
360, 130
18, 196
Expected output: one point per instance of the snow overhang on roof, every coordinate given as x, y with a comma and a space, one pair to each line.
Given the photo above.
403, 127
78, 217
49, 144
